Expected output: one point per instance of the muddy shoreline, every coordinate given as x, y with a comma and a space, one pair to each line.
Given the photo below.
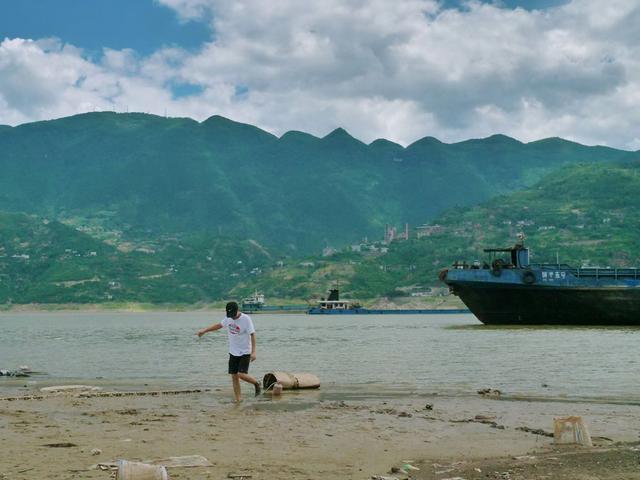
313, 435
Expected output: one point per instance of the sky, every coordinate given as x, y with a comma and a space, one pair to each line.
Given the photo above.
401, 69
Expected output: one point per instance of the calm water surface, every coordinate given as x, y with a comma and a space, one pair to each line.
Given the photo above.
448, 354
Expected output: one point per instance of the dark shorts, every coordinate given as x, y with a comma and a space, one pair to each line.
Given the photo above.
239, 364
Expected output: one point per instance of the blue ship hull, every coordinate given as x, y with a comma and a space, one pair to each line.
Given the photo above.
373, 311
274, 308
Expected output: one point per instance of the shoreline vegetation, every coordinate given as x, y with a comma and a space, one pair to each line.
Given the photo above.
140, 307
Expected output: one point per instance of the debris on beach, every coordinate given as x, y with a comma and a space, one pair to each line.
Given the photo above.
104, 467
93, 393
407, 467
490, 392
535, 431
502, 475
442, 469
239, 476
525, 457
571, 430
183, 461
404, 469
127, 411
140, 471
21, 371
169, 462
484, 419
70, 389
60, 445
96, 451
152, 393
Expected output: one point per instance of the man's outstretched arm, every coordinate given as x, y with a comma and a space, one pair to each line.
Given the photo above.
212, 328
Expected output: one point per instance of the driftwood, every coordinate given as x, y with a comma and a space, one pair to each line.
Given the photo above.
107, 394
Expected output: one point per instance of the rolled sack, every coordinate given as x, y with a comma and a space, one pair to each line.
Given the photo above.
291, 381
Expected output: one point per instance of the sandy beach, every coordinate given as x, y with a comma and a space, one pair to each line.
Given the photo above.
320, 434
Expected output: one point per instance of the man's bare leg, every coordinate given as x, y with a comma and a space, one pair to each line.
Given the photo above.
236, 385
249, 379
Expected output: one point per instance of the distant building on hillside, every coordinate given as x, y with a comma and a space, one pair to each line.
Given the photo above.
428, 230
391, 234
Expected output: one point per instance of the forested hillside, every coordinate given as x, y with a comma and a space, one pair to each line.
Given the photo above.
144, 175
47, 262
581, 215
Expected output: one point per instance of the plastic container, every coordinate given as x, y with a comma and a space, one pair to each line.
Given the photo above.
140, 471
571, 430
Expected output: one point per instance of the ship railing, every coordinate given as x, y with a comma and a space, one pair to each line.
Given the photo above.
554, 266
614, 273
592, 272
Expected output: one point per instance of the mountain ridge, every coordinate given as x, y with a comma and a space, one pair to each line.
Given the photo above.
219, 119
295, 193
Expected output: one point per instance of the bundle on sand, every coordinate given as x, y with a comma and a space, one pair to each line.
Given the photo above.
291, 381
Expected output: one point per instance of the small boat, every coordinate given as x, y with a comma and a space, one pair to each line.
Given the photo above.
253, 303
333, 304
513, 291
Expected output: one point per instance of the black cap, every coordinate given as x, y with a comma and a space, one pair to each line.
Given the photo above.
232, 309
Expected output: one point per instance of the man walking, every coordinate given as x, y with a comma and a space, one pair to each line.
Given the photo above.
242, 346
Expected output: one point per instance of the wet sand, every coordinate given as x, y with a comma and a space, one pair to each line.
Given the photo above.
315, 435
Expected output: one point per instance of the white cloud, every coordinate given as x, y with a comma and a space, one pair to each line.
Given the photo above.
399, 70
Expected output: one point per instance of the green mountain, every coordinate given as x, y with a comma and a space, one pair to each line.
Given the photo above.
143, 176
582, 215
585, 214
49, 262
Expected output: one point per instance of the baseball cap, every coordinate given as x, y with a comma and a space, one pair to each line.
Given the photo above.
232, 309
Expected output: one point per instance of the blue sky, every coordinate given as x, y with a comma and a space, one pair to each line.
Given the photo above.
142, 25
400, 70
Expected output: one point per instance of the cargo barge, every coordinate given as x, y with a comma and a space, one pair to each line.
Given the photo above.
512, 291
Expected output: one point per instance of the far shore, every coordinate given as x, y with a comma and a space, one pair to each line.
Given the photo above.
108, 307
216, 307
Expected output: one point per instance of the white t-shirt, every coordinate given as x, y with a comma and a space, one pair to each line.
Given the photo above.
239, 332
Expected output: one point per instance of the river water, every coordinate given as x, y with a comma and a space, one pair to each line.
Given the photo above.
404, 354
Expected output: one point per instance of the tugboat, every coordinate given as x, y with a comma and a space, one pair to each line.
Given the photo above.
334, 306
513, 291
